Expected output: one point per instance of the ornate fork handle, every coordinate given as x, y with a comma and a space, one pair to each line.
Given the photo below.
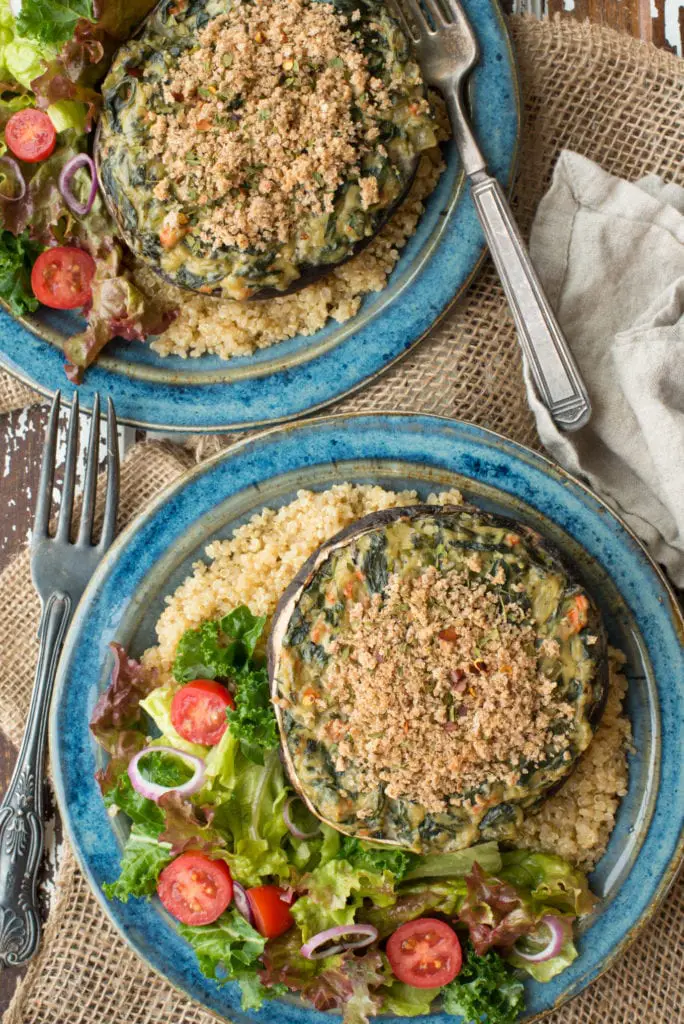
21, 813
552, 365
551, 362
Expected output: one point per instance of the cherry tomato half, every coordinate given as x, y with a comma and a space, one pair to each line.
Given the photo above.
62, 277
195, 889
198, 711
31, 135
272, 915
425, 953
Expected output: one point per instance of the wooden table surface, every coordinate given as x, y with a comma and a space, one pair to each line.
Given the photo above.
21, 432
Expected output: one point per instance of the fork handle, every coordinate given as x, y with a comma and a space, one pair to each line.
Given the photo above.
550, 360
21, 812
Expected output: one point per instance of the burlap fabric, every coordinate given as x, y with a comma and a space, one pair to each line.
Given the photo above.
585, 88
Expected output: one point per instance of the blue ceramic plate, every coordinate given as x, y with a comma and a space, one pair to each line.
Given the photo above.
156, 552
304, 374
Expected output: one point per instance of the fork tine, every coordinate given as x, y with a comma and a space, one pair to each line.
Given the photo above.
460, 17
418, 15
47, 471
69, 485
436, 13
398, 11
85, 529
112, 493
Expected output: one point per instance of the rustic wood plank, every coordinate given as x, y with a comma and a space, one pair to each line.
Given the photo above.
632, 16
21, 446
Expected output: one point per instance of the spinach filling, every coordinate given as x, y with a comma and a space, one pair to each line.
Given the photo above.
522, 572
135, 92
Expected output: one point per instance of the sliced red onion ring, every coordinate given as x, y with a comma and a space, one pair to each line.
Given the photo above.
296, 832
150, 789
67, 173
15, 172
242, 903
553, 947
351, 936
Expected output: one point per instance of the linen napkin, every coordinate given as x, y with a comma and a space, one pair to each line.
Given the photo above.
610, 255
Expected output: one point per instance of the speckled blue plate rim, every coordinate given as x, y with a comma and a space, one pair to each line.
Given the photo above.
176, 405
438, 443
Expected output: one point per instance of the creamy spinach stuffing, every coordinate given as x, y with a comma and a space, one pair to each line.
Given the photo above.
247, 146
436, 675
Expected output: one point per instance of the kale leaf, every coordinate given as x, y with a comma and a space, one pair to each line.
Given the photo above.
17, 256
145, 814
253, 721
373, 858
486, 990
226, 649
164, 769
219, 648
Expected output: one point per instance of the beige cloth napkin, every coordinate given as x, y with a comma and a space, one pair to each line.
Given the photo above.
611, 257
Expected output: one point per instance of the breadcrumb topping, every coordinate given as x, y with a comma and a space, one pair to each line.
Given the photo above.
278, 147
438, 664
257, 562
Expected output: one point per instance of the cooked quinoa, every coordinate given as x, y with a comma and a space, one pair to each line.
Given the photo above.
255, 566
228, 328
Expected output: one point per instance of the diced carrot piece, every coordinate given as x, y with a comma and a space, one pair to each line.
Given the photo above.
317, 632
577, 616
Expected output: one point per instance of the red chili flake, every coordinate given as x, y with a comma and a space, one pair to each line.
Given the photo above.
449, 634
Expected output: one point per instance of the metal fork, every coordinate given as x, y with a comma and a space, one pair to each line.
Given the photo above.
447, 50
60, 569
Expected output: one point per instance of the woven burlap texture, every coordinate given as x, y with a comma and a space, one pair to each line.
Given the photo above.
585, 88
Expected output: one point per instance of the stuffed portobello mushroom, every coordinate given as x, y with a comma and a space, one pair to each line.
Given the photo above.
247, 146
436, 672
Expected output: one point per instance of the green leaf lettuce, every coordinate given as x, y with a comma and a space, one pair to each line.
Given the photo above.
142, 861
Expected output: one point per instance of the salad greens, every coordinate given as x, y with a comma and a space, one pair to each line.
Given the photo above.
142, 861
485, 989
229, 947
494, 899
377, 858
225, 648
17, 255
52, 22
53, 55
22, 55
